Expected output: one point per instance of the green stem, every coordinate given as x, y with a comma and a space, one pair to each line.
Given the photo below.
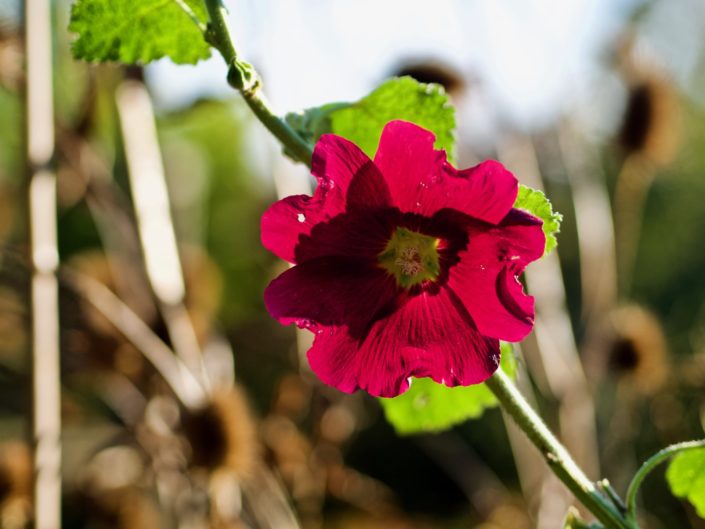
557, 457
243, 77
651, 463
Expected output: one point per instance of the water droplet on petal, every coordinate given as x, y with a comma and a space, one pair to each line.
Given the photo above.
301, 217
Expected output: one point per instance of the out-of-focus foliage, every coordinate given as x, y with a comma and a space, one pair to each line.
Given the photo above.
138, 32
217, 199
428, 406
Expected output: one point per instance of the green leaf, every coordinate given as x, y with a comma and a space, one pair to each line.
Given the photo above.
139, 31
428, 406
686, 478
404, 98
311, 123
536, 203
362, 122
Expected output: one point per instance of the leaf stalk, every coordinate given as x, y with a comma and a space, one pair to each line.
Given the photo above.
244, 78
559, 460
651, 463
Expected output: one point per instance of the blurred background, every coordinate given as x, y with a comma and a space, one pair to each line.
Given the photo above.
185, 405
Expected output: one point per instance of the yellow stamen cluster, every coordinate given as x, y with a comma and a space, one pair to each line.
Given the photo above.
411, 257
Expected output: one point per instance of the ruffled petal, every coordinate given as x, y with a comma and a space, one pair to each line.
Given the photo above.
429, 335
485, 278
347, 180
486, 192
409, 164
330, 291
422, 181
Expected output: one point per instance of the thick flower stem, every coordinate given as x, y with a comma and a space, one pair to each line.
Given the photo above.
651, 463
243, 77
557, 457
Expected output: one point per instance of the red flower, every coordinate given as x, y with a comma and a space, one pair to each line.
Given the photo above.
405, 266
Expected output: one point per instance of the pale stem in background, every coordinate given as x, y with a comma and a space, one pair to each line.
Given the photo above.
531, 469
154, 222
46, 384
633, 183
594, 223
268, 500
180, 380
557, 350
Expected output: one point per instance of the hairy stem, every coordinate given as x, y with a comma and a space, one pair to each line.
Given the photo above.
243, 77
557, 457
651, 463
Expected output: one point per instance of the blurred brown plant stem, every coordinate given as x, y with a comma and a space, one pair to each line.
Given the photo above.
649, 137
46, 394
154, 222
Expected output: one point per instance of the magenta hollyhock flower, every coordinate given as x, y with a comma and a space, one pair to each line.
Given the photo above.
404, 266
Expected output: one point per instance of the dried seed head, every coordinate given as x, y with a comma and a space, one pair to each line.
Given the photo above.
651, 119
637, 351
431, 71
223, 433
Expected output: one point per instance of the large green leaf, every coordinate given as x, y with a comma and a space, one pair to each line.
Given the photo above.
362, 122
686, 477
536, 203
139, 31
428, 406
404, 98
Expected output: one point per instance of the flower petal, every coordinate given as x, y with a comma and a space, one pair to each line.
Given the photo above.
486, 192
330, 291
286, 221
422, 181
358, 234
347, 179
346, 175
430, 335
485, 278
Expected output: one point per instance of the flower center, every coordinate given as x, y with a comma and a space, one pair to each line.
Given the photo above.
410, 257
